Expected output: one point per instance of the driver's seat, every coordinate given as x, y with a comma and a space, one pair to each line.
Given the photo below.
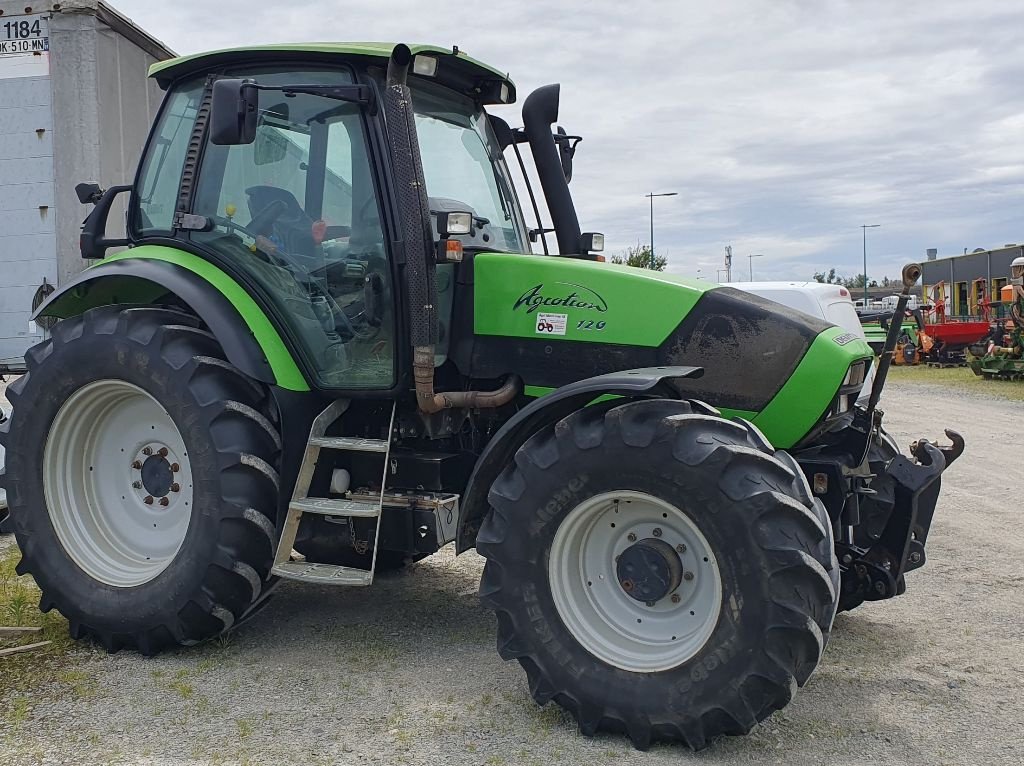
292, 230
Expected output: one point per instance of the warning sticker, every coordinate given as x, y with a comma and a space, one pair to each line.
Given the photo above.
552, 324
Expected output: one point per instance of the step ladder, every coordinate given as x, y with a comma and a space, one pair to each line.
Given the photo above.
301, 503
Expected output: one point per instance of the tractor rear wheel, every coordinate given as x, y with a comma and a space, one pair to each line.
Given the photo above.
659, 570
142, 479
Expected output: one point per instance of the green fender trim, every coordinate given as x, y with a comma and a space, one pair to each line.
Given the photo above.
805, 397
281, 362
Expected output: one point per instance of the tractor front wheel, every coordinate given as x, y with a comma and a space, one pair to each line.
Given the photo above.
659, 570
142, 479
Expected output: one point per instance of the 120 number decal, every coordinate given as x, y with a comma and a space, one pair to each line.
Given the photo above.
590, 324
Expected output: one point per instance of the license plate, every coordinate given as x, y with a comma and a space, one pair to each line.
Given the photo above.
24, 34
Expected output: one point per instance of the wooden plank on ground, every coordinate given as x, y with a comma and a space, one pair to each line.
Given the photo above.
25, 648
18, 631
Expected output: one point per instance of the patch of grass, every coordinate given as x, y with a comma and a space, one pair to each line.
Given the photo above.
958, 379
19, 711
183, 688
245, 727
19, 600
82, 684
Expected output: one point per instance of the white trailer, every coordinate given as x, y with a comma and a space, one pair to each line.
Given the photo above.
75, 105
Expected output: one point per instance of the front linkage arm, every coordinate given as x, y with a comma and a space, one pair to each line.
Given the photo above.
877, 573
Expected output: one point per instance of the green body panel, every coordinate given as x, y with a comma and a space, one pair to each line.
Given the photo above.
619, 304
800, 403
805, 397
281, 362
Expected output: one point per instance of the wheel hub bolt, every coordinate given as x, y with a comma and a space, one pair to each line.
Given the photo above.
675, 598
657, 531
680, 548
627, 585
136, 485
175, 487
687, 576
163, 452
147, 451
148, 500
650, 603
164, 501
136, 465
175, 467
631, 537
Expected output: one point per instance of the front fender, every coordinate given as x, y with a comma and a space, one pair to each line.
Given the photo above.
644, 383
152, 274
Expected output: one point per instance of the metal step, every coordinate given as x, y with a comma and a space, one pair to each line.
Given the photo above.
330, 507
328, 574
350, 443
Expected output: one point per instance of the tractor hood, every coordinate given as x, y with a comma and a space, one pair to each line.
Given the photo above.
554, 320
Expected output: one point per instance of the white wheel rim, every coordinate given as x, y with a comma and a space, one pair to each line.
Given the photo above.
611, 625
117, 515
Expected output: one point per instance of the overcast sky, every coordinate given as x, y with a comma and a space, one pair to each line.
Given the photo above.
783, 125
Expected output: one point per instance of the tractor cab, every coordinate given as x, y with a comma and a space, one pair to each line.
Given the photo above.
295, 187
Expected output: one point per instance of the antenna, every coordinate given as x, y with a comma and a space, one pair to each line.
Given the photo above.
728, 263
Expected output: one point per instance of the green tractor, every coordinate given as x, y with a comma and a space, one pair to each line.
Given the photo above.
326, 350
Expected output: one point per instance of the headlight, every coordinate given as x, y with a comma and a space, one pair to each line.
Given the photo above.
850, 388
856, 374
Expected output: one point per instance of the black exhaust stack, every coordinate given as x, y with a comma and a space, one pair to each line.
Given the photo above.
412, 198
540, 112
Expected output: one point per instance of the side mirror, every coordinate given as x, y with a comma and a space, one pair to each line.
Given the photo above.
93, 241
566, 150
234, 112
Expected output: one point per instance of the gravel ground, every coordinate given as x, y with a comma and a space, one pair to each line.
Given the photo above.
406, 672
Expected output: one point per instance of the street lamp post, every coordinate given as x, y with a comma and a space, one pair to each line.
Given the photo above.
864, 230
750, 263
652, 195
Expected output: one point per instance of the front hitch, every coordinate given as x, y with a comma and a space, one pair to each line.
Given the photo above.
878, 571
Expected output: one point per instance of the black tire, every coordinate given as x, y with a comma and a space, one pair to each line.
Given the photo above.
770, 536
226, 419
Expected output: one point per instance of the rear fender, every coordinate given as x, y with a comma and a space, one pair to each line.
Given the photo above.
645, 383
249, 341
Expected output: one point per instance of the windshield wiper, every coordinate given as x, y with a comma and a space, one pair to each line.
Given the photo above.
354, 94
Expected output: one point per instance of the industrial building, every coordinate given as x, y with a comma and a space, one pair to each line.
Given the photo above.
966, 282
75, 106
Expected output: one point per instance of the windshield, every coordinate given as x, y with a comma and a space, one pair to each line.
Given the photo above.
464, 168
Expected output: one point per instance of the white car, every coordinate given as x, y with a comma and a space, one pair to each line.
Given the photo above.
832, 303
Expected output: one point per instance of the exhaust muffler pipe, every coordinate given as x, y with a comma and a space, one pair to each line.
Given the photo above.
419, 258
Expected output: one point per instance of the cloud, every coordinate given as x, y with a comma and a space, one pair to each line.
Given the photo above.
784, 125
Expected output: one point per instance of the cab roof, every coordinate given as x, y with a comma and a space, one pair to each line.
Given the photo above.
454, 68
